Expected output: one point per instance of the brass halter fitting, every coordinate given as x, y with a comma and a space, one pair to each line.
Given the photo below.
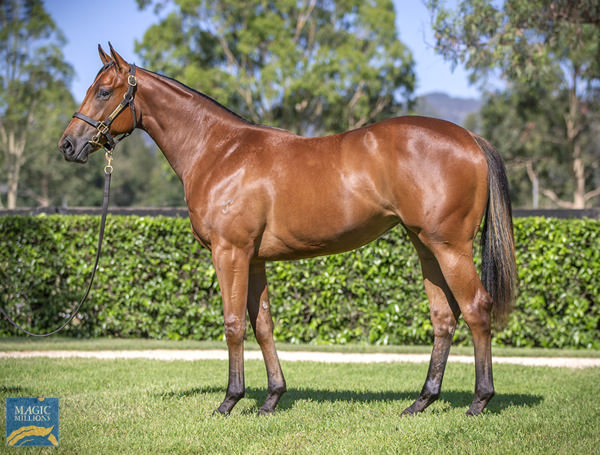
108, 168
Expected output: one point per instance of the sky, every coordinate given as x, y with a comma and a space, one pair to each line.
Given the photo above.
87, 23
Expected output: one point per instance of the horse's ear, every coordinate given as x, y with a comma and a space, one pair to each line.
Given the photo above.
119, 61
103, 55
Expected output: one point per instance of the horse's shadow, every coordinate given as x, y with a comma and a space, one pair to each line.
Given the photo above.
456, 398
12, 390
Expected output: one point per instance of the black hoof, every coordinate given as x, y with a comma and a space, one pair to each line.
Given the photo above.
420, 404
218, 412
409, 412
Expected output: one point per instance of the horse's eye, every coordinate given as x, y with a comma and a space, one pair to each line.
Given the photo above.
103, 93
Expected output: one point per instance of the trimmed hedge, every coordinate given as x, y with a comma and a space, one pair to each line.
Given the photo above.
155, 281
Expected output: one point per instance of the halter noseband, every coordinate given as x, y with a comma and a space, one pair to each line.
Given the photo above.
104, 127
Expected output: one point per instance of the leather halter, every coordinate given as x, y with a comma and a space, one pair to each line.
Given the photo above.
103, 127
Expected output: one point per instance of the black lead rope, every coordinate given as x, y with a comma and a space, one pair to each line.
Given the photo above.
108, 173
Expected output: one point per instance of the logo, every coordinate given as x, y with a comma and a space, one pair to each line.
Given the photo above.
32, 422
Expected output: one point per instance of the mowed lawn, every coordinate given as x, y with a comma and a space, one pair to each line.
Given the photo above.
146, 406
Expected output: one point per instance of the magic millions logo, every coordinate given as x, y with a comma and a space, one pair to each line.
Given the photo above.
31, 422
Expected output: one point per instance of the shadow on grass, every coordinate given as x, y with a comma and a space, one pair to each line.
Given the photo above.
456, 398
14, 390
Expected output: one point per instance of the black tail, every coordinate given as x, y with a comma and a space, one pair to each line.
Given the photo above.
498, 265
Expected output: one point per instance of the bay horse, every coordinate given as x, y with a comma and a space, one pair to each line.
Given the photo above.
256, 194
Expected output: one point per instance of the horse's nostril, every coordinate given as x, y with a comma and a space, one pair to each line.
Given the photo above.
66, 147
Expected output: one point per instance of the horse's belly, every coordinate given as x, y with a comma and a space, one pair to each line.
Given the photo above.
321, 239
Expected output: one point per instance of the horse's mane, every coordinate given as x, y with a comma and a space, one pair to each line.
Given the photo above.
196, 92
111, 64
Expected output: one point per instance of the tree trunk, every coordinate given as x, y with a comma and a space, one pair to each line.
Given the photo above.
579, 175
14, 158
535, 185
13, 186
574, 124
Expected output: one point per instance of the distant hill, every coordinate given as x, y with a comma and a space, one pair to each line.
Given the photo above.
442, 105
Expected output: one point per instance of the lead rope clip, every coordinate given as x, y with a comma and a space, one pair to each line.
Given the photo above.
108, 168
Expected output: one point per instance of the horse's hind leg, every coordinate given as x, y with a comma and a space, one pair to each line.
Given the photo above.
259, 310
456, 264
444, 315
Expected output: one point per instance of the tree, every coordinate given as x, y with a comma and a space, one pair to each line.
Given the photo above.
45, 177
549, 48
33, 81
527, 126
310, 66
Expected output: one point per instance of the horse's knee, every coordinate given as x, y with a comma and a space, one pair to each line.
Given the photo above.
235, 329
444, 325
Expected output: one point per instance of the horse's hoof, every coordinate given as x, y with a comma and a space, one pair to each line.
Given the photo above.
471, 413
413, 409
266, 412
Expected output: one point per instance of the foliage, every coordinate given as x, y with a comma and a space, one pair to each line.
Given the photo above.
309, 66
154, 281
35, 108
524, 124
547, 51
559, 299
33, 95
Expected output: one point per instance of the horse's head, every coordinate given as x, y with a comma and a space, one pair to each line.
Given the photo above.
103, 113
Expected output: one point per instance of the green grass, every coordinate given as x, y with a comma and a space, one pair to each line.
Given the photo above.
58, 343
145, 406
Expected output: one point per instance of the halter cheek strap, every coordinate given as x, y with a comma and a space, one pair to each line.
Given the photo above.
103, 127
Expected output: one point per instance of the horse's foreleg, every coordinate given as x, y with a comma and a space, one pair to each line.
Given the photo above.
259, 310
232, 267
444, 315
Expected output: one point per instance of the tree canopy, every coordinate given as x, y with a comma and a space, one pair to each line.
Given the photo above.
546, 49
33, 83
35, 107
310, 66
317, 67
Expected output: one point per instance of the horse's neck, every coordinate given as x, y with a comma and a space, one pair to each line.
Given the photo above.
183, 123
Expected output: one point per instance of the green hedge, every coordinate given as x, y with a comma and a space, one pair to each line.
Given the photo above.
155, 281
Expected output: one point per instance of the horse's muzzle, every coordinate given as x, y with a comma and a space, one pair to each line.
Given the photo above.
73, 150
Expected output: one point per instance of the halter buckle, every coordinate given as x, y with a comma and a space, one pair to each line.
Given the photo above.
102, 130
